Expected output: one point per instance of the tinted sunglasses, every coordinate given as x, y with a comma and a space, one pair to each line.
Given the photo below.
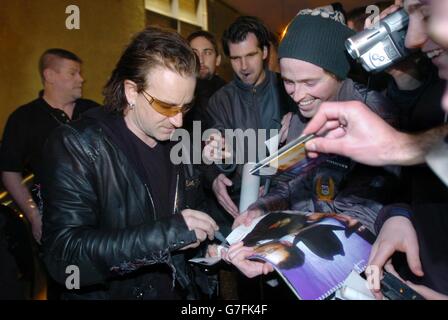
167, 109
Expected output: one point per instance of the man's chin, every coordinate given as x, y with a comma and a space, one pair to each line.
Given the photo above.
205, 76
248, 80
311, 110
77, 95
307, 114
164, 136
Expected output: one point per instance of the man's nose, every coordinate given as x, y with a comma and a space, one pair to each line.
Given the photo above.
177, 120
243, 63
299, 93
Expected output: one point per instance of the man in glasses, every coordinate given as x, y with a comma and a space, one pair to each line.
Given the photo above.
29, 126
115, 203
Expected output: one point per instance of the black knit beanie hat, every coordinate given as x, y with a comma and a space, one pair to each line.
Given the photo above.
318, 37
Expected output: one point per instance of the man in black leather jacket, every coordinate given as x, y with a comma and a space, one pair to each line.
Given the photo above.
114, 204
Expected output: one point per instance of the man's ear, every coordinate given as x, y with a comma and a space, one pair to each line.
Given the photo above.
49, 75
265, 52
130, 90
218, 60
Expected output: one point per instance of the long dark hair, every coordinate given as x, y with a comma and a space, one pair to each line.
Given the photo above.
151, 48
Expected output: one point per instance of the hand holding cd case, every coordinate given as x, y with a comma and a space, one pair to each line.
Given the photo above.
290, 161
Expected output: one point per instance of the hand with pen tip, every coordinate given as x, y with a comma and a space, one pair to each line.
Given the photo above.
202, 224
351, 129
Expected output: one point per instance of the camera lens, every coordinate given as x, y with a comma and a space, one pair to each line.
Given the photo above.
350, 49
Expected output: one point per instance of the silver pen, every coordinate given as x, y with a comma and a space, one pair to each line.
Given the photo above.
220, 237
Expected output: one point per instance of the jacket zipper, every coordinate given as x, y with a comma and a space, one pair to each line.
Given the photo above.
258, 118
152, 203
175, 197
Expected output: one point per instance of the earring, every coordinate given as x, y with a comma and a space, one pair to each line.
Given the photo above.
132, 105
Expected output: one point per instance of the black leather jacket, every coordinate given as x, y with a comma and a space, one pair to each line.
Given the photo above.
100, 217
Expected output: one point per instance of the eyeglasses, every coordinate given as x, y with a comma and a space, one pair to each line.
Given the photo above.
167, 109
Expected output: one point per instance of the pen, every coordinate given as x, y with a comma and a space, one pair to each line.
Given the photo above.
220, 237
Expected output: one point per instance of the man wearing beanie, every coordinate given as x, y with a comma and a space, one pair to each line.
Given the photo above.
314, 67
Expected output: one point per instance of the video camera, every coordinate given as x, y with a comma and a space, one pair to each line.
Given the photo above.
382, 45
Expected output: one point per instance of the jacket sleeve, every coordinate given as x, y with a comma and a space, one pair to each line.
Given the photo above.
72, 228
394, 210
366, 191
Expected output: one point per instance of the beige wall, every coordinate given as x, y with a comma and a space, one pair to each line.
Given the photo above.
29, 27
220, 16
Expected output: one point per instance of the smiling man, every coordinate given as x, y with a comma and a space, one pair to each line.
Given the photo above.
314, 66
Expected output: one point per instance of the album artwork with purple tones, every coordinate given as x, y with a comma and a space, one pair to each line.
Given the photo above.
314, 253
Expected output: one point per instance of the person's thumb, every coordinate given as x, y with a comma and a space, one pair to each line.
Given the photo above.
413, 258
227, 181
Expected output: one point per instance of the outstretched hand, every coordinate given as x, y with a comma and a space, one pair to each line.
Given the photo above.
351, 129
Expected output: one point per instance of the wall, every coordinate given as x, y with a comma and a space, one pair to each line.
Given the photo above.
29, 27
220, 16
